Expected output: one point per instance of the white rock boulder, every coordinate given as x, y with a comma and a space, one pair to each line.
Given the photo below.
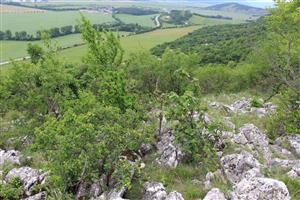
10, 156
215, 194
260, 189
239, 166
29, 177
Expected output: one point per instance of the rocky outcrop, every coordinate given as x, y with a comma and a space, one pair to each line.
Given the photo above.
239, 166
294, 143
169, 153
285, 164
156, 191
10, 156
295, 172
244, 106
174, 196
28, 176
113, 194
39, 196
215, 194
252, 136
210, 176
260, 188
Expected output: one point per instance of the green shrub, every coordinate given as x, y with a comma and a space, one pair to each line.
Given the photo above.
257, 103
12, 190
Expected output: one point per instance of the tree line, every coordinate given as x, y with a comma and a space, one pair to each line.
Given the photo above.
66, 30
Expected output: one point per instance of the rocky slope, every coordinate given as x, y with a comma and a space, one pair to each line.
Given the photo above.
243, 167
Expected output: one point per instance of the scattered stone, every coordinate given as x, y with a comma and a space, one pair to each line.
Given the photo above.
238, 166
295, 172
285, 164
260, 112
39, 196
294, 142
250, 134
270, 107
229, 124
206, 119
145, 149
282, 152
82, 190
218, 174
174, 196
29, 177
154, 191
260, 188
169, 154
215, 194
215, 105
242, 106
10, 156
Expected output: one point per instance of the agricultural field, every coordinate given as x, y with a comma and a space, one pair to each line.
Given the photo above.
131, 44
32, 22
17, 49
8, 9
143, 20
203, 21
135, 43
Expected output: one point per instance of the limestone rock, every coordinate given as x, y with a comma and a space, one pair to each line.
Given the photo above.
11, 156
215, 194
295, 172
250, 134
174, 196
169, 153
243, 105
260, 188
29, 177
218, 174
294, 142
238, 166
285, 164
39, 196
154, 191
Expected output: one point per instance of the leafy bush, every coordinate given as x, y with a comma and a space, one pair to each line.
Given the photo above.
12, 190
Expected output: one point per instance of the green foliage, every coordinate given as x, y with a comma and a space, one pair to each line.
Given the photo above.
218, 44
35, 52
167, 74
177, 17
103, 47
12, 190
192, 134
257, 103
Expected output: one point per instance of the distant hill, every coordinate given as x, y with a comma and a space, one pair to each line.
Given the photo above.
236, 7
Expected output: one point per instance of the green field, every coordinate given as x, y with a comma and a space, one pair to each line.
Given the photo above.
17, 49
203, 21
144, 20
131, 44
32, 22
135, 43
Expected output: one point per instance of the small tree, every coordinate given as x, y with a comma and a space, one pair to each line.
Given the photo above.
196, 138
104, 48
35, 52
